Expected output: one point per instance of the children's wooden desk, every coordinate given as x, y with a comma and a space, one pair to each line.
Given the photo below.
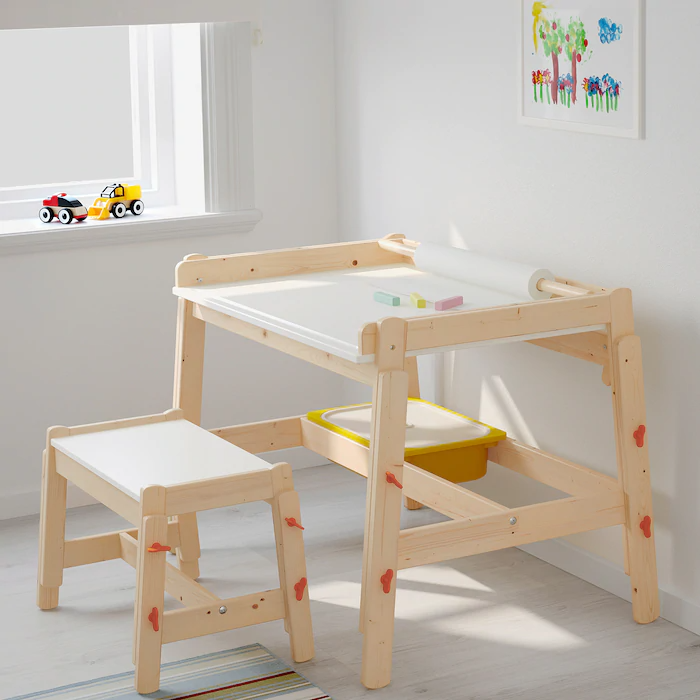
317, 304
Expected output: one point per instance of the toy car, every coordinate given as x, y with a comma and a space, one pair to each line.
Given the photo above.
116, 199
64, 207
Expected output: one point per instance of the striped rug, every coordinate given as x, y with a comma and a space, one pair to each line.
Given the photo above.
239, 674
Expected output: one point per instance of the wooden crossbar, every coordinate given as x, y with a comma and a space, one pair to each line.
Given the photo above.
507, 321
478, 325
98, 488
445, 497
240, 267
195, 496
178, 585
551, 470
243, 611
591, 346
170, 414
439, 494
96, 548
460, 538
363, 373
264, 436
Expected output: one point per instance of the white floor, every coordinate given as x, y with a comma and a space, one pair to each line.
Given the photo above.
501, 625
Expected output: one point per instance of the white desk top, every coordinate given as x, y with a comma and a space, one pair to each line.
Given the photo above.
326, 310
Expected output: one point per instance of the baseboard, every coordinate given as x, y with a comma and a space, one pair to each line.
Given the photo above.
19, 504
611, 577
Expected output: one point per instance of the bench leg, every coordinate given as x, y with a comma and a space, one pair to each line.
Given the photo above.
291, 562
150, 592
187, 395
188, 552
411, 504
52, 527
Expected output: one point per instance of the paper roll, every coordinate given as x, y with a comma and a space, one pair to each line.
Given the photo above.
482, 270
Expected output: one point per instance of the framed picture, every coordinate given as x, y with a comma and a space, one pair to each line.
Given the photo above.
581, 66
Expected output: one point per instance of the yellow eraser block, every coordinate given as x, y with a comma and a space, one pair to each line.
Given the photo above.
417, 300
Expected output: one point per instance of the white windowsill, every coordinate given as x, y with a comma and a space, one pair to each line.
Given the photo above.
30, 235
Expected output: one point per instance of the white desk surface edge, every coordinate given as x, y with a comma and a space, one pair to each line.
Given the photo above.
212, 297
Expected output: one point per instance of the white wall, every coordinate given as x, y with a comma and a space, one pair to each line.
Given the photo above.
429, 146
90, 335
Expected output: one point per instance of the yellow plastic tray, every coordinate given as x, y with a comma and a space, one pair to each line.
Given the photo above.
443, 442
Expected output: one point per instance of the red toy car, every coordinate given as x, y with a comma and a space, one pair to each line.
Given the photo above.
64, 207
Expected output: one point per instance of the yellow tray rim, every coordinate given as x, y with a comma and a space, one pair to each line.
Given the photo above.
494, 435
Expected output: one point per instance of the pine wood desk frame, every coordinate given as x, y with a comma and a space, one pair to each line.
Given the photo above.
477, 524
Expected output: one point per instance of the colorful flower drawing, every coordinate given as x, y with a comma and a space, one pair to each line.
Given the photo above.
543, 79
579, 57
602, 93
566, 89
608, 31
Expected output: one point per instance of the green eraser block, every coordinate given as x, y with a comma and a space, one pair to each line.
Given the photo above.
384, 298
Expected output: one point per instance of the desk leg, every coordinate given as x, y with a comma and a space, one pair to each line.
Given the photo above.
633, 464
189, 372
414, 393
383, 515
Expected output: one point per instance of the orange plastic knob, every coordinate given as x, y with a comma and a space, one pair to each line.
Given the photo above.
393, 480
299, 588
153, 619
386, 580
292, 522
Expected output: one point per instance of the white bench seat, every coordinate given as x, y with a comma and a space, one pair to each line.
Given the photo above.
167, 454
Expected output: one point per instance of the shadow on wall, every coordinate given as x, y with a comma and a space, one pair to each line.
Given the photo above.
672, 387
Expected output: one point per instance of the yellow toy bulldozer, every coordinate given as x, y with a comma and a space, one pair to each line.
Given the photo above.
117, 199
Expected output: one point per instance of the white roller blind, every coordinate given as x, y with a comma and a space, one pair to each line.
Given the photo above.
33, 14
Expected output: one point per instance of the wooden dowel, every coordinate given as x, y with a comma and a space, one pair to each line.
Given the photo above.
395, 246
561, 290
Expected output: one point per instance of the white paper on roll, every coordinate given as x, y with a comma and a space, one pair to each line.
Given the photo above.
482, 270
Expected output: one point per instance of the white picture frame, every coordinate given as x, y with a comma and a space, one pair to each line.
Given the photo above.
620, 51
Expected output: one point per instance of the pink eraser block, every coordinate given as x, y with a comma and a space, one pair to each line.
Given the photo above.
449, 303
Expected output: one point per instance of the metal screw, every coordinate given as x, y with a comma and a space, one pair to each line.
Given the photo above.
605, 347
199, 279
513, 520
392, 347
223, 609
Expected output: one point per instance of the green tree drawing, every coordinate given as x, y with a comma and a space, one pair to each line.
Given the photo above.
552, 35
576, 45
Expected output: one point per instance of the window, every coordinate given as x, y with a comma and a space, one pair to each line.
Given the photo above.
97, 106
166, 107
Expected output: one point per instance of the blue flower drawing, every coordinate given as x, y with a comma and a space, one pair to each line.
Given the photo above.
609, 31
